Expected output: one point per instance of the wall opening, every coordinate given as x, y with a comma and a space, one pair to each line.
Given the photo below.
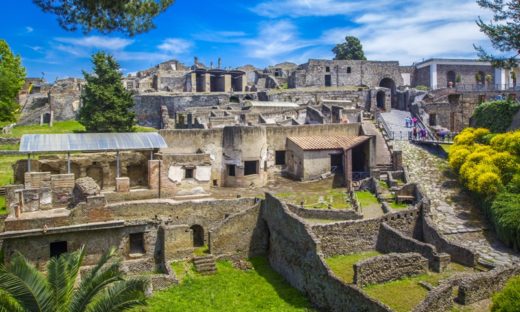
336, 163
200, 82
197, 235
349, 70
280, 158
47, 118
188, 173
217, 83
390, 84
432, 120
96, 172
250, 167
451, 76
327, 69
231, 170
359, 158
328, 81
137, 243
234, 98
138, 175
57, 248
380, 99
480, 77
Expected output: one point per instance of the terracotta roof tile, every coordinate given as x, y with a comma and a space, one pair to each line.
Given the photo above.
328, 142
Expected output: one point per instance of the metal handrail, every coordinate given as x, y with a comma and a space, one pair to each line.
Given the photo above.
381, 122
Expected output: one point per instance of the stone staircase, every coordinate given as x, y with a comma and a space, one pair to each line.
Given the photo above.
205, 264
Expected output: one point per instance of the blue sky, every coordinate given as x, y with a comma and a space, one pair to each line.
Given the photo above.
242, 32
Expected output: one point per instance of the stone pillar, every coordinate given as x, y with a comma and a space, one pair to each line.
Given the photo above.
347, 168
227, 83
153, 174
397, 160
123, 185
207, 82
433, 76
500, 78
193, 77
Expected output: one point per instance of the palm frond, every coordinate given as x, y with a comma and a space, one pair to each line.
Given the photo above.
22, 281
121, 296
61, 276
8, 304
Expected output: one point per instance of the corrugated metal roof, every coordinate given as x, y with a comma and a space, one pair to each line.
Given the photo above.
328, 142
91, 142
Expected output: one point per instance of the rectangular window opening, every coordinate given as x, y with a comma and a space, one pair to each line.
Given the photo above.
58, 248
231, 170
137, 243
250, 167
327, 69
349, 70
280, 158
188, 173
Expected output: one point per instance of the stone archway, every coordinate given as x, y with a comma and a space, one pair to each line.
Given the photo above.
390, 84
197, 235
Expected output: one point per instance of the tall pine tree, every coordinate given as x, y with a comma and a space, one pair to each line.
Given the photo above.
107, 105
12, 77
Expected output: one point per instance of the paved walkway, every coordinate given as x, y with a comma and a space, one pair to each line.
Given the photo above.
395, 121
453, 210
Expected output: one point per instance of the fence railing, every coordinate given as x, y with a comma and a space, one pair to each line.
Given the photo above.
486, 87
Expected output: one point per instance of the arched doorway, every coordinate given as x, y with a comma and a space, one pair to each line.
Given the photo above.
451, 76
197, 235
390, 84
380, 99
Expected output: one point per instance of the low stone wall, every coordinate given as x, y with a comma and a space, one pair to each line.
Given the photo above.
439, 299
389, 267
326, 214
481, 286
242, 235
458, 253
348, 237
295, 253
9, 141
391, 240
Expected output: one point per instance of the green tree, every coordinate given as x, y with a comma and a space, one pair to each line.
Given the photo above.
128, 16
503, 31
24, 288
12, 77
351, 49
107, 105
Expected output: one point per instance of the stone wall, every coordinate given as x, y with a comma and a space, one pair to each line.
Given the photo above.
316, 96
241, 235
389, 267
348, 237
326, 214
9, 141
295, 253
439, 299
391, 240
481, 286
458, 253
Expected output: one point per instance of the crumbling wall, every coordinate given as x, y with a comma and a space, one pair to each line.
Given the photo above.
348, 237
389, 267
439, 299
480, 286
326, 214
295, 253
241, 235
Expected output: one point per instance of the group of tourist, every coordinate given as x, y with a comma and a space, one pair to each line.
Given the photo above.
410, 122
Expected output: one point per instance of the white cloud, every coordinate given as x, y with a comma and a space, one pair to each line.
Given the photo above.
275, 40
97, 42
29, 29
175, 46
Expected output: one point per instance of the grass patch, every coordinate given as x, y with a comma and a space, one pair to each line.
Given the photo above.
6, 171
144, 129
337, 198
261, 289
383, 184
366, 198
9, 147
404, 294
397, 206
68, 126
343, 265
3, 209
201, 251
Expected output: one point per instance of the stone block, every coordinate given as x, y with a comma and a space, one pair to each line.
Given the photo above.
153, 174
123, 185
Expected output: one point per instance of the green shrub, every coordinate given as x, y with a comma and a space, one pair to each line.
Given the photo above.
496, 115
508, 300
505, 215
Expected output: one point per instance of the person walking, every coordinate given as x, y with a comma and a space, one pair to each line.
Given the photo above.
407, 122
414, 120
414, 133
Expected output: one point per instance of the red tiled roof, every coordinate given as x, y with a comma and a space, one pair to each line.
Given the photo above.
328, 142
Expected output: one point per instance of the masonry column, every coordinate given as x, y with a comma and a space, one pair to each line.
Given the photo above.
347, 168
500, 78
193, 77
433, 76
207, 82
227, 83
